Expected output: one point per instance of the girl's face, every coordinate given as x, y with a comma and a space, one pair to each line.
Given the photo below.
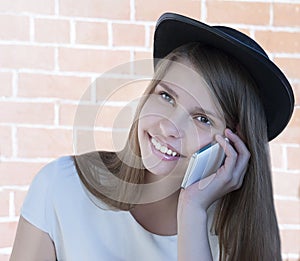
178, 118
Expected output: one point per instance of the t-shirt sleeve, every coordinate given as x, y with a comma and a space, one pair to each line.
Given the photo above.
38, 199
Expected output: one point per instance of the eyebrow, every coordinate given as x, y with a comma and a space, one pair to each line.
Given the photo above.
206, 112
168, 89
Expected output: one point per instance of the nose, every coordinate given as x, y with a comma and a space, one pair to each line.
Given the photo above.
172, 127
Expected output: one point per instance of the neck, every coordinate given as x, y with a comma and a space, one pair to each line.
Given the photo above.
159, 215
158, 188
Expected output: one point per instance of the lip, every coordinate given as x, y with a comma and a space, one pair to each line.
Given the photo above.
161, 155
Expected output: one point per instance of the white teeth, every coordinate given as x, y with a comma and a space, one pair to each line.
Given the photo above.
162, 148
157, 146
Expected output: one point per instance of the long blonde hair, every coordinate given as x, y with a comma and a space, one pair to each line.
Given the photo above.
245, 219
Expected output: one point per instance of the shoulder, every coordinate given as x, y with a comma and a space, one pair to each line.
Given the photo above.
64, 164
52, 169
62, 173
58, 168
38, 199
47, 180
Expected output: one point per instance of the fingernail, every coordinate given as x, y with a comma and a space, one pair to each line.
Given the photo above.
230, 131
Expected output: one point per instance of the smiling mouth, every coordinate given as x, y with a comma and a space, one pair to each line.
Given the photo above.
164, 149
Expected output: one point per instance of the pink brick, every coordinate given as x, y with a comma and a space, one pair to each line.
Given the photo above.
151, 37
7, 232
119, 89
289, 66
85, 60
6, 141
4, 257
18, 173
91, 33
238, 12
118, 139
111, 9
52, 31
6, 84
277, 158
296, 89
49, 143
290, 241
290, 258
29, 113
26, 57
280, 42
14, 27
151, 10
96, 116
143, 67
286, 14
284, 210
85, 115
67, 114
128, 35
291, 132
30, 6
53, 86
100, 140
286, 184
114, 117
18, 202
293, 155
4, 203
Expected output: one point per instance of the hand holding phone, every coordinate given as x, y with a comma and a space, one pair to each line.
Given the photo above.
203, 163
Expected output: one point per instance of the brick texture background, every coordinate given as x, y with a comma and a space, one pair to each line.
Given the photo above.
51, 51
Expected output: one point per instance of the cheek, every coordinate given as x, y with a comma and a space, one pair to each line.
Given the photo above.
146, 123
150, 117
196, 138
144, 117
142, 126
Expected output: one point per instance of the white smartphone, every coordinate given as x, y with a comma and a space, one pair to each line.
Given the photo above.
203, 163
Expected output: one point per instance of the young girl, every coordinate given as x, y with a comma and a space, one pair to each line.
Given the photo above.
213, 83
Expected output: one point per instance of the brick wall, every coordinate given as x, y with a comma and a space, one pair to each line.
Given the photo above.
52, 50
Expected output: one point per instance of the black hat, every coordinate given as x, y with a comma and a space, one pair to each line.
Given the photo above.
173, 30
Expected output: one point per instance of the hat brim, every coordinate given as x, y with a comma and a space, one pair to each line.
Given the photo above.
173, 30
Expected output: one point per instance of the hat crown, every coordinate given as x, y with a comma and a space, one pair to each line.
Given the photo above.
242, 38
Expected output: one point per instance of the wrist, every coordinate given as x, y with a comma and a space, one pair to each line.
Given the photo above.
190, 215
193, 241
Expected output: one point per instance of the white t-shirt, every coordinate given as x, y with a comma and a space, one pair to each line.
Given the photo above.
57, 204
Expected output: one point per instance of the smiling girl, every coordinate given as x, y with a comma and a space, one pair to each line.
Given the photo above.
213, 83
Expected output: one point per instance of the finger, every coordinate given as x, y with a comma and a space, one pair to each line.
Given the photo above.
238, 144
243, 155
234, 168
231, 154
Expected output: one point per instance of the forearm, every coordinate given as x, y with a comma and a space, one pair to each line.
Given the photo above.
193, 242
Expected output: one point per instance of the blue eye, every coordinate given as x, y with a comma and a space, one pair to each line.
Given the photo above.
204, 119
167, 97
